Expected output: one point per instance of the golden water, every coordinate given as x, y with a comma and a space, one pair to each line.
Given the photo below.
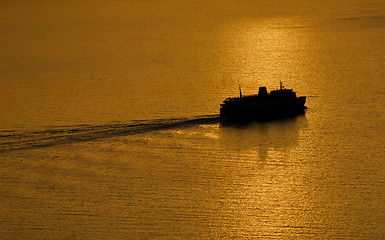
109, 127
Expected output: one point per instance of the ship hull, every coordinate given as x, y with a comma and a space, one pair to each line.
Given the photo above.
265, 110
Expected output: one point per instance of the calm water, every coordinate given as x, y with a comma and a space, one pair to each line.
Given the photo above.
109, 125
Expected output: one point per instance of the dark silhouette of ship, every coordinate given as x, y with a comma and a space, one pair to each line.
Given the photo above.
263, 106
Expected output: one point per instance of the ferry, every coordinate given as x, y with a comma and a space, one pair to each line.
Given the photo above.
264, 105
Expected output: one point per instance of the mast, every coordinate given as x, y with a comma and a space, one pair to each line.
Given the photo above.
240, 91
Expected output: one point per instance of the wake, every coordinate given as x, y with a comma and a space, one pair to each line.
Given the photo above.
13, 141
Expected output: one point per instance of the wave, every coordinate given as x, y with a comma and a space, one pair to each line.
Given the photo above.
13, 141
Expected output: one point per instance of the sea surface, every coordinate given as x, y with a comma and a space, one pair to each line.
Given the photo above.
109, 125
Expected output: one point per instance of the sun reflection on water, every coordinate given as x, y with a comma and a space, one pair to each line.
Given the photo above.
265, 51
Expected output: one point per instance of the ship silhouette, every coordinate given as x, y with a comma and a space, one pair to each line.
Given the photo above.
264, 105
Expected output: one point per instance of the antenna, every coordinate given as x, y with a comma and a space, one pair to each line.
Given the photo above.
281, 85
240, 91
